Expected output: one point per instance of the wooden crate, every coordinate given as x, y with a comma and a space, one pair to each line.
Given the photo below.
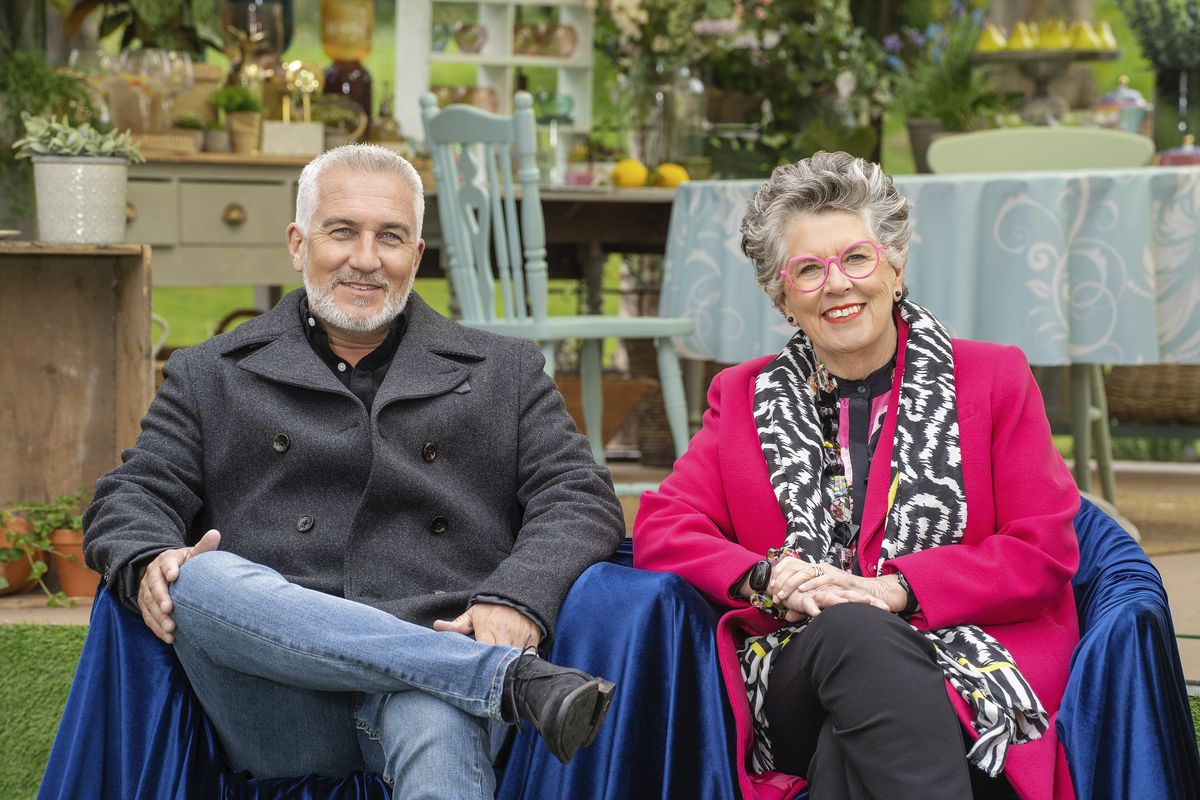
75, 363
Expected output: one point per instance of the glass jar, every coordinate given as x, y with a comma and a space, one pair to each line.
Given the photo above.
346, 28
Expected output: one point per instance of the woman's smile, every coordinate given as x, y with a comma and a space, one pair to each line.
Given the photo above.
845, 313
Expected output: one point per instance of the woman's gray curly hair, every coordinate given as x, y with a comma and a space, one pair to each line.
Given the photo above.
823, 182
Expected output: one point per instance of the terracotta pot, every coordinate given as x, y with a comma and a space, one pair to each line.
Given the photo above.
18, 572
74, 576
243, 130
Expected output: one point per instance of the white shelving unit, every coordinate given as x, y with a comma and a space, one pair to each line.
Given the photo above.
496, 64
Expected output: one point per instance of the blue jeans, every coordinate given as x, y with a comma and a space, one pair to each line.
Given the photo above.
297, 681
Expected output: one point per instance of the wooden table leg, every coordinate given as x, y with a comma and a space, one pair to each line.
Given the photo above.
1081, 423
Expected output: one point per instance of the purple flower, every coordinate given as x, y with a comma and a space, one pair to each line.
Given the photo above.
892, 43
915, 38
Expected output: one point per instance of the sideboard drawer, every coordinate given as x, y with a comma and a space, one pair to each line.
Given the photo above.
235, 213
151, 212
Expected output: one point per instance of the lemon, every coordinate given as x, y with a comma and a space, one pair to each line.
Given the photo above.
670, 175
629, 172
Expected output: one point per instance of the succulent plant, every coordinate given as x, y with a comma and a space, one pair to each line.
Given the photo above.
53, 136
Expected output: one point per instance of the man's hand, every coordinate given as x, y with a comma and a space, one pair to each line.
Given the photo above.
493, 624
154, 598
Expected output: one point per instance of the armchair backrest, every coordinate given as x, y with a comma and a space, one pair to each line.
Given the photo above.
487, 243
1039, 148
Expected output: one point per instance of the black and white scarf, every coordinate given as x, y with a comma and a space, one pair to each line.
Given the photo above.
926, 508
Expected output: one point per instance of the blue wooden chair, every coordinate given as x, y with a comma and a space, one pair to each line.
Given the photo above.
497, 256
1056, 148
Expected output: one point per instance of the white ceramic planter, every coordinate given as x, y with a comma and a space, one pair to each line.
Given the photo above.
80, 200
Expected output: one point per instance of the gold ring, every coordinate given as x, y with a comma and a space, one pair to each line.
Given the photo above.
819, 572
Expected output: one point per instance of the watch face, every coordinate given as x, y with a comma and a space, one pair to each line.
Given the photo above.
760, 576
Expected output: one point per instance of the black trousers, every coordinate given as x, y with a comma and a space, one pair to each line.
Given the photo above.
857, 705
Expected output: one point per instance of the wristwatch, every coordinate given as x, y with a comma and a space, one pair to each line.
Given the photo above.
760, 576
911, 606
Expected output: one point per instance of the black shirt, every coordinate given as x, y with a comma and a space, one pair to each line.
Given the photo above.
365, 377
859, 395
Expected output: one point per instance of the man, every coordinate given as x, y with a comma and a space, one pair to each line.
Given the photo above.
367, 469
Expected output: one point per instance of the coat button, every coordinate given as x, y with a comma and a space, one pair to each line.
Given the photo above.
439, 525
281, 442
305, 524
429, 451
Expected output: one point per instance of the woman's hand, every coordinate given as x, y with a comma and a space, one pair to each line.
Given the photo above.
805, 589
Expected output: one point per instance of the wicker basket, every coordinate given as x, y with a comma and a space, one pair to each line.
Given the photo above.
1154, 393
166, 144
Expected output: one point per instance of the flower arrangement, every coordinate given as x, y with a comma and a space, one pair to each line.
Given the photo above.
54, 136
935, 77
632, 32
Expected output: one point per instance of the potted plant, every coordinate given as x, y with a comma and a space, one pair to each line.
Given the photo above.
28, 84
243, 116
80, 177
22, 556
56, 529
190, 125
1169, 36
937, 88
216, 137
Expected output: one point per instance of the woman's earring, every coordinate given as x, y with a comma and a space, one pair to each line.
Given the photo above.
899, 294
791, 320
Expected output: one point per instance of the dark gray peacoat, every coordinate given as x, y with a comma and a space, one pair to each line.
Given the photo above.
467, 477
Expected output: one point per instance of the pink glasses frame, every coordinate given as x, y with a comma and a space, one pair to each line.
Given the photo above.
827, 262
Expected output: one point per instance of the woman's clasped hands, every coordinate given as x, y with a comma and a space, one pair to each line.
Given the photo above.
804, 588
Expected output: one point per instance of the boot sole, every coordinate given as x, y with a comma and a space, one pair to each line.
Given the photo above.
606, 690
579, 717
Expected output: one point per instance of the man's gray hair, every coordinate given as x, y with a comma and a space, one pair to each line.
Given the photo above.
367, 158
823, 182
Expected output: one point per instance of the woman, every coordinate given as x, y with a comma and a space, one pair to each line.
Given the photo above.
883, 511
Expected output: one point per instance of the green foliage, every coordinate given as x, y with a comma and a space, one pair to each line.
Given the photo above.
52, 136
188, 25
1167, 30
30, 85
189, 122
825, 79
33, 543
232, 99
937, 79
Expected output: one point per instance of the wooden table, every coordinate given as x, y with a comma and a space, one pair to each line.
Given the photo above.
76, 373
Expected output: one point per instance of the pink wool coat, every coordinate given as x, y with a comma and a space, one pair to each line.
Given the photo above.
716, 515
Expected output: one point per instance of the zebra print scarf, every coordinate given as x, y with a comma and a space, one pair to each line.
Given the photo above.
927, 508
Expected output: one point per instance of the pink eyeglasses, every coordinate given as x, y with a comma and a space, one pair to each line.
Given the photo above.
857, 260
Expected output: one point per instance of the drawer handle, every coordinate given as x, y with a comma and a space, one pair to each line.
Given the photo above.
234, 214
131, 214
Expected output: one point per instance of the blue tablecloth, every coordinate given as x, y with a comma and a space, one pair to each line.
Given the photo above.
1100, 266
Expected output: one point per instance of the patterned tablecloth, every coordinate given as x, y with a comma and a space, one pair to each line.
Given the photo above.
1099, 266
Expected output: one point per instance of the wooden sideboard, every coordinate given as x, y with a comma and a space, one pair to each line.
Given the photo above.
76, 373
215, 219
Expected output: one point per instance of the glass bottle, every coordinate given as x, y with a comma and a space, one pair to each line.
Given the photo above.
346, 29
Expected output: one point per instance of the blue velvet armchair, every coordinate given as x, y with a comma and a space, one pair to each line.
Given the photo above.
133, 728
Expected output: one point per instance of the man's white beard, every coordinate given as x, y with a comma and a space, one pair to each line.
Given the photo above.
322, 304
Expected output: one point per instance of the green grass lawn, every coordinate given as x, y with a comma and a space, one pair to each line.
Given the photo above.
39, 665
